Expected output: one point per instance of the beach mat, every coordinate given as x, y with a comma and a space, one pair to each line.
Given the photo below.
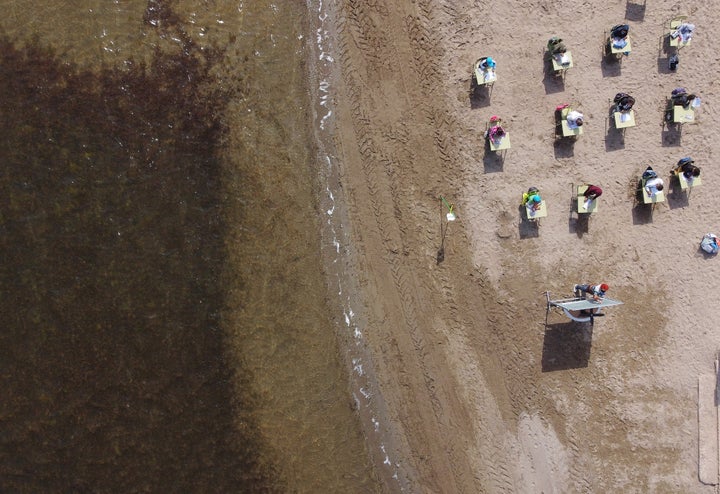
707, 430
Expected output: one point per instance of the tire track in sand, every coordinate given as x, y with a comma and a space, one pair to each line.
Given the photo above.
384, 162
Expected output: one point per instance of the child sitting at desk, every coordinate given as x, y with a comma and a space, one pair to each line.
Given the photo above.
618, 36
623, 102
574, 119
680, 97
592, 192
684, 31
687, 167
486, 64
531, 199
653, 183
556, 46
495, 133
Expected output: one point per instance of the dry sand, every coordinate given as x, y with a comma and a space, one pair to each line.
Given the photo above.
482, 393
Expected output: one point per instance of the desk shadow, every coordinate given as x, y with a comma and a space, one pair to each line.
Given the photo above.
677, 198
642, 213
611, 66
635, 11
564, 147
566, 346
671, 134
663, 65
527, 228
580, 224
614, 138
479, 95
492, 162
553, 82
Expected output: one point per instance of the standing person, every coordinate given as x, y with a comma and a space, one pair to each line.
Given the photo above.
597, 292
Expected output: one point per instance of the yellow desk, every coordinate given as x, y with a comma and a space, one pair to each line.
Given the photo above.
582, 201
686, 183
619, 51
567, 131
534, 215
655, 198
561, 64
675, 41
503, 144
483, 77
683, 115
623, 120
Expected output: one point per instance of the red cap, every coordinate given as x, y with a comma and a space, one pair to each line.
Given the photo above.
604, 287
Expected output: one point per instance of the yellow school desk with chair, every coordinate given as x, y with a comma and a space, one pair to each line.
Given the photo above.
624, 119
568, 131
536, 214
583, 204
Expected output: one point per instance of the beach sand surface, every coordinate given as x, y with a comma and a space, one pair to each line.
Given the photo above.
484, 390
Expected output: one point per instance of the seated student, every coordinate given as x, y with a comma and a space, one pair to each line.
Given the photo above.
574, 119
623, 102
495, 133
618, 36
556, 46
597, 292
532, 198
680, 97
653, 183
592, 192
687, 167
487, 63
684, 31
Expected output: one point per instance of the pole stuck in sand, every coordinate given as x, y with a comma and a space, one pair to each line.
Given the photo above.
450, 215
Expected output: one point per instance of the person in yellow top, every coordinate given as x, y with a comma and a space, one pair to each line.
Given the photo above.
532, 198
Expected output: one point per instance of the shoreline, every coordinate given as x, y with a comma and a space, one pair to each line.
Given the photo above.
340, 264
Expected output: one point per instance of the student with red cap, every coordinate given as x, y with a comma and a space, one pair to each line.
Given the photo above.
596, 291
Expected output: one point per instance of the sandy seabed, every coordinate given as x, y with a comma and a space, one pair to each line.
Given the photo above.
484, 390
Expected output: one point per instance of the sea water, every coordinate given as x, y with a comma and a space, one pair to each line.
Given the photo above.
165, 319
